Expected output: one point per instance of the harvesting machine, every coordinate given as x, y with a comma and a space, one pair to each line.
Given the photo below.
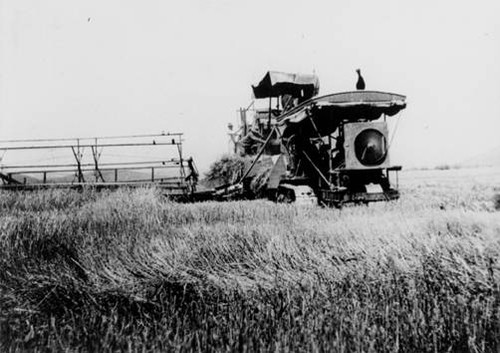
101, 163
331, 149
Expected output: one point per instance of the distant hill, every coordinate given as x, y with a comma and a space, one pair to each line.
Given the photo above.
490, 158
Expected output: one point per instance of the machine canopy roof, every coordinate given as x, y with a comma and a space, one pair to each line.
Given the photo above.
327, 112
275, 84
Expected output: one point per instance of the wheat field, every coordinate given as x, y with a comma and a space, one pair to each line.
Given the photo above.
129, 270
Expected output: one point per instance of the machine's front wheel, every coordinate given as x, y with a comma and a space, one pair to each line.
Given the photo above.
285, 196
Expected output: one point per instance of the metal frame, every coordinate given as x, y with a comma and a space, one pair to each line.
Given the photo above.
9, 174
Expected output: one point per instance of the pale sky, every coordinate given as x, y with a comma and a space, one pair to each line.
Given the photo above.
84, 68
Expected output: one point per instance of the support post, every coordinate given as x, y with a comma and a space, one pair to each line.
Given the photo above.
96, 155
317, 170
182, 171
270, 113
243, 120
78, 156
257, 156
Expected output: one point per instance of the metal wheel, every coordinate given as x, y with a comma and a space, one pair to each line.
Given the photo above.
285, 196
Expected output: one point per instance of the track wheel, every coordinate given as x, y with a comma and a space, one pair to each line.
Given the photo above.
285, 196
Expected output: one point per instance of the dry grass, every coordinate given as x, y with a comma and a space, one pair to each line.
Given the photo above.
128, 270
229, 169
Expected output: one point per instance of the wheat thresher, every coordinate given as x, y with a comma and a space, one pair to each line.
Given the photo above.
331, 149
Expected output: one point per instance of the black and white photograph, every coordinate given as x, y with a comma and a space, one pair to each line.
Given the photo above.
249, 176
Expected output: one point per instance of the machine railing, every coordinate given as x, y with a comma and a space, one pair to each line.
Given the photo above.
97, 161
